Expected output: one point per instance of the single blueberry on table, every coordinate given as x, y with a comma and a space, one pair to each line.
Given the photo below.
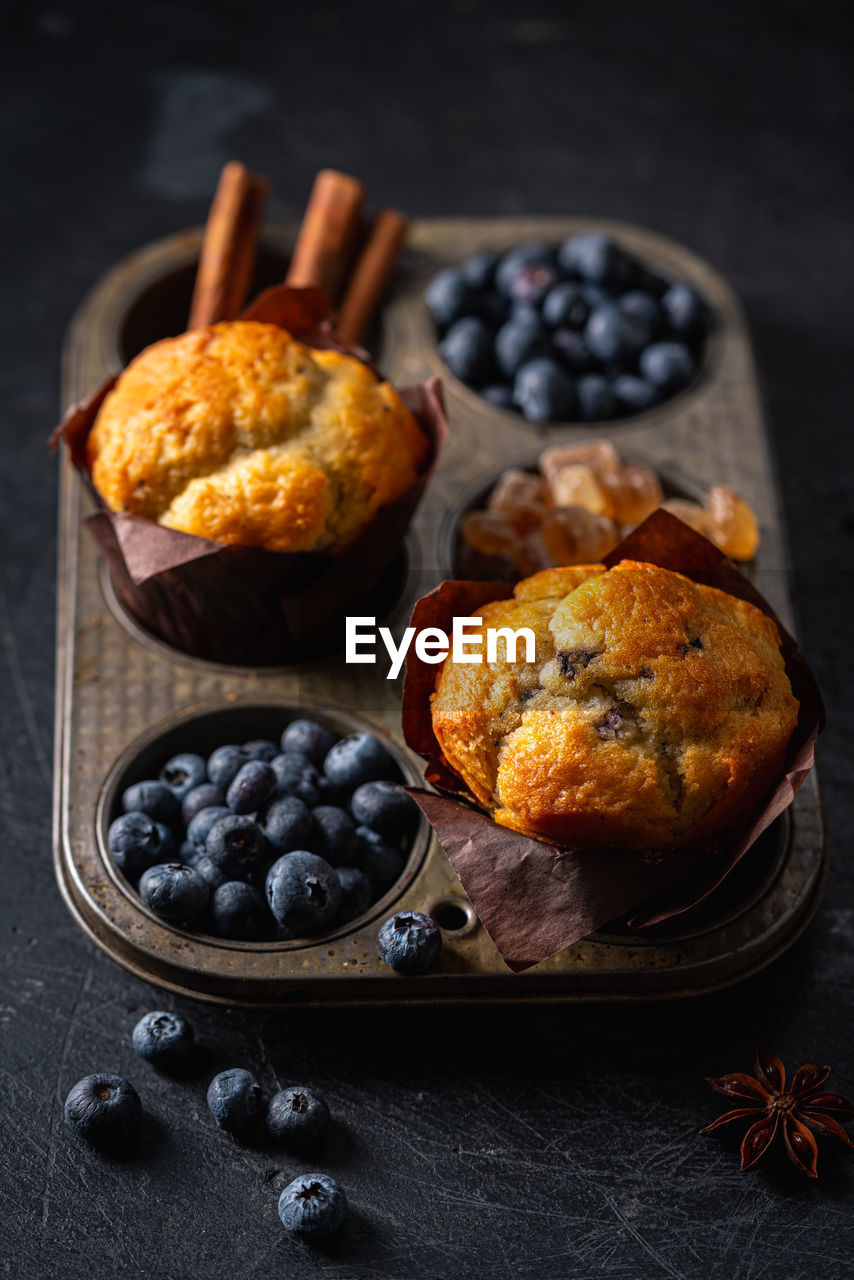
386, 808
498, 394
572, 349
633, 394
199, 827
309, 739
303, 892
286, 822
357, 893
565, 306
153, 798
261, 749
613, 338
175, 892
667, 365
234, 1100
409, 942
183, 772
104, 1109
313, 1206
297, 776
251, 787
239, 912
359, 758
224, 763
467, 350
207, 796
525, 255
297, 1118
137, 842
164, 1039
449, 296
594, 398
237, 847
517, 341
333, 834
380, 863
544, 392
479, 270
684, 310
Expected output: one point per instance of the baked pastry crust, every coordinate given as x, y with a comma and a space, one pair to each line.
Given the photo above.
656, 715
241, 434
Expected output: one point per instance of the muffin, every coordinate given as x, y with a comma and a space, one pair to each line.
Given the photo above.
240, 434
656, 714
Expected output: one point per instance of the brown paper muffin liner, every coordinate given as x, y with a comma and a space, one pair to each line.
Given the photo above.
535, 899
247, 605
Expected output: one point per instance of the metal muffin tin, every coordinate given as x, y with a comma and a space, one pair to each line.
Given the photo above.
125, 698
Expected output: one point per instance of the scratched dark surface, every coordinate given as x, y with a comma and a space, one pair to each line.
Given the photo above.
487, 1143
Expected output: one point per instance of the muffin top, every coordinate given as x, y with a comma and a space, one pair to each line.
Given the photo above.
241, 434
656, 714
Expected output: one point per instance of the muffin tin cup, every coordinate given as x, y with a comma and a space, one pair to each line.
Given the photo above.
115, 684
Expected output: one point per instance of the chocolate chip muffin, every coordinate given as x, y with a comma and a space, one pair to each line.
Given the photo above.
241, 434
656, 714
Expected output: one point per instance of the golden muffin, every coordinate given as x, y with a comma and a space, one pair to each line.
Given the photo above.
656, 714
241, 434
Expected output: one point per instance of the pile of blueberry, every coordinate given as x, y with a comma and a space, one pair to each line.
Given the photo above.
580, 332
268, 841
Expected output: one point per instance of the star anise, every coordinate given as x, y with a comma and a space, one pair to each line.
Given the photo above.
773, 1109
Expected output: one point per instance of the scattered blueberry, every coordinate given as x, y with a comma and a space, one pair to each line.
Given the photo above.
137, 842
234, 1100
312, 1206
237, 847
309, 739
356, 894
479, 270
175, 892
153, 798
684, 309
467, 350
104, 1109
224, 764
517, 341
199, 828
667, 365
207, 796
297, 1118
261, 749
183, 772
565, 306
380, 863
303, 891
252, 787
595, 398
543, 391
633, 394
359, 758
297, 776
386, 808
239, 912
287, 823
164, 1039
449, 296
409, 942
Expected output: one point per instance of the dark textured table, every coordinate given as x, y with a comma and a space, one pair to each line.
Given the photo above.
541, 1142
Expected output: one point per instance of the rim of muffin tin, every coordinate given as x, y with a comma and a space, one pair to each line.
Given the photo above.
181, 723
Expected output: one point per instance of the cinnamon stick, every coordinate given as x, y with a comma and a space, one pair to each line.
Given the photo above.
228, 247
372, 273
329, 232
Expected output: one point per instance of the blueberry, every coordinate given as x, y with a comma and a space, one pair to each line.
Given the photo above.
449, 297
533, 282
357, 759
518, 341
499, 394
386, 808
137, 842
543, 391
684, 310
251, 787
644, 310
239, 912
164, 1039
525, 313
380, 863
183, 772
297, 776
565, 306
409, 942
594, 257
309, 739
155, 799
224, 764
199, 827
479, 270
237, 847
104, 1109
333, 835
571, 347
297, 1118
287, 824
613, 338
512, 263
633, 394
312, 1206
667, 365
187, 852
261, 749
200, 799
234, 1100
303, 892
467, 350
207, 870
356, 894
595, 295
595, 400
175, 892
